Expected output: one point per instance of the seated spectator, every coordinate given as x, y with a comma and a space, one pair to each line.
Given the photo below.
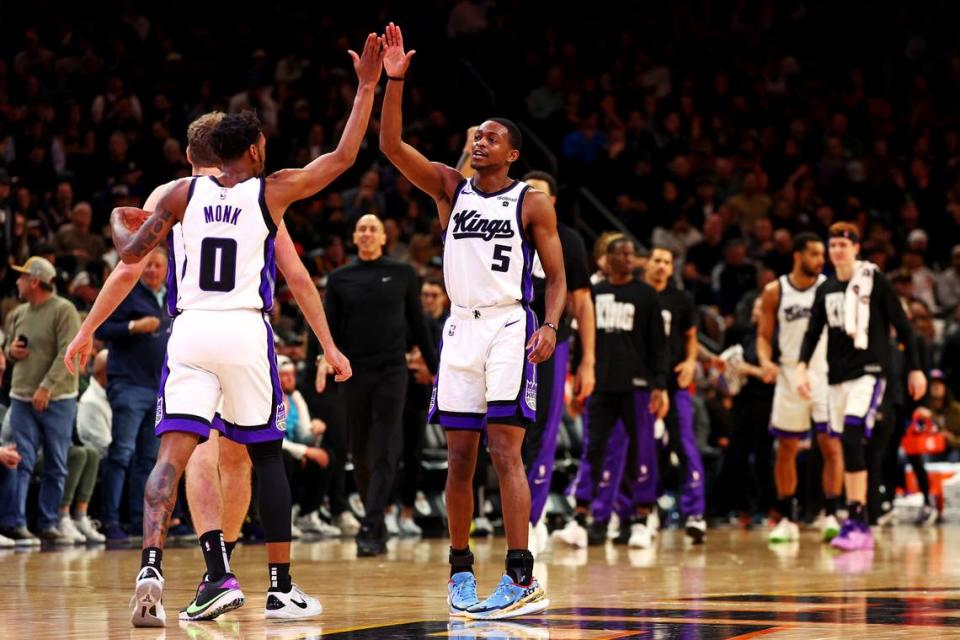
9, 459
750, 203
948, 283
944, 409
83, 459
365, 198
305, 461
76, 239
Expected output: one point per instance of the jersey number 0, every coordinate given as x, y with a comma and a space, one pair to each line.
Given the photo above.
218, 264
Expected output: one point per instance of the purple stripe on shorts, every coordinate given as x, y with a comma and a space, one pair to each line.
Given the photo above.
268, 275
793, 435
172, 294
461, 422
183, 425
277, 399
242, 435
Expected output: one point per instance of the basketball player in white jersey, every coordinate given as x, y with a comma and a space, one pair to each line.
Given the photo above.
492, 224
785, 313
221, 346
218, 466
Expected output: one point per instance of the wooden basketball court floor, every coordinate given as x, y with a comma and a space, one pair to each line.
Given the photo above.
734, 586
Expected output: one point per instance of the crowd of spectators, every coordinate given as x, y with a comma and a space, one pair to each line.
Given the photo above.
720, 128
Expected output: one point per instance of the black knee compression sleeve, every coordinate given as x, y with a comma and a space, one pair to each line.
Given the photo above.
854, 448
274, 489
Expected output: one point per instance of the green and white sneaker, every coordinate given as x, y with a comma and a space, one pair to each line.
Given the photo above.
214, 599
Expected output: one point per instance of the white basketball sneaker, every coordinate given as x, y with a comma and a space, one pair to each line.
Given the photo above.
147, 600
293, 605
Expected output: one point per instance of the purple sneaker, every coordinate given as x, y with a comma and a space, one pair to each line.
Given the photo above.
853, 536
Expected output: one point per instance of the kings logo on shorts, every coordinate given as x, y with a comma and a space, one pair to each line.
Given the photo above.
530, 395
159, 415
281, 417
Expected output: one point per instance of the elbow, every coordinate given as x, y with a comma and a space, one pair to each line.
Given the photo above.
388, 145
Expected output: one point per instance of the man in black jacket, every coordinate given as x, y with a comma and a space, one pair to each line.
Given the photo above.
631, 387
371, 305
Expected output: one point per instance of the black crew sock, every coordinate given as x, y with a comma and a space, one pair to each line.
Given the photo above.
831, 504
152, 557
214, 554
581, 518
461, 560
857, 512
520, 566
230, 544
788, 508
280, 577
639, 518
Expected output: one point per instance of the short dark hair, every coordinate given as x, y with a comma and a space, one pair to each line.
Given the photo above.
434, 282
801, 240
618, 241
662, 246
513, 132
543, 176
234, 134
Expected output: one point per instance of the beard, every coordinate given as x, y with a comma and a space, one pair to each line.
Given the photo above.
810, 273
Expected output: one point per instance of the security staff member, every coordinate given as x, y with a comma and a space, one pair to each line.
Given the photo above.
371, 305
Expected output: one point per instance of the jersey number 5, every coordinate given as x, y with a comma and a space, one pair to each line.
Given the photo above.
501, 259
218, 264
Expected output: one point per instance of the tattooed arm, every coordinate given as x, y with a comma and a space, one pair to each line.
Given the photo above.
433, 178
136, 232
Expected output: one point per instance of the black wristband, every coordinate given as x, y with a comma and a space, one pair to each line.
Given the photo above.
397, 78
552, 326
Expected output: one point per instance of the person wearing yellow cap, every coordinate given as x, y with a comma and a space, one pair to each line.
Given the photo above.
43, 399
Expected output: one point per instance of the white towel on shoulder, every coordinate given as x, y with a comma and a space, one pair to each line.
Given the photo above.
856, 303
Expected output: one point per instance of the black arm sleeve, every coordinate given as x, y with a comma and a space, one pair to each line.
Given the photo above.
657, 343
818, 318
894, 312
413, 310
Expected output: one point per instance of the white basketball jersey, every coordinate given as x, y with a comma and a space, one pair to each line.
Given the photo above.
793, 316
486, 258
222, 252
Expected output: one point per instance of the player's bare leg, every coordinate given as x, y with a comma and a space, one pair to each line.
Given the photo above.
518, 592
219, 590
160, 496
832, 478
785, 478
462, 450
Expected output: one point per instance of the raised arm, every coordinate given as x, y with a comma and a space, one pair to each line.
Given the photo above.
540, 219
436, 180
769, 302
136, 232
307, 296
289, 185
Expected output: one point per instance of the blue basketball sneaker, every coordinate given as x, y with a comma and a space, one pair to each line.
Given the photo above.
511, 600
462, 592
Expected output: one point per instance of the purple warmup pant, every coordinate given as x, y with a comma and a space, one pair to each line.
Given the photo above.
612, 496
542, 435
683, 439
618, 438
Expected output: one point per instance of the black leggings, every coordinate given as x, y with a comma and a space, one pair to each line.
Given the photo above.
273, 494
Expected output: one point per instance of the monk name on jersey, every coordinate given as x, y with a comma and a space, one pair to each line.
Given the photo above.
221, 213
469, 224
